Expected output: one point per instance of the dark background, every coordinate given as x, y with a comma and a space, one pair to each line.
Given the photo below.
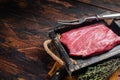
23, 29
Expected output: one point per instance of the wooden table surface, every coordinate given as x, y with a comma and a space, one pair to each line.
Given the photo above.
23, 29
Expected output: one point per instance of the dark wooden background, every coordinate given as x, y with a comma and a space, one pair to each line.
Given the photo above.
23, 29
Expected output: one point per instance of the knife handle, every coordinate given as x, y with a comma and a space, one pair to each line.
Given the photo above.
108, 16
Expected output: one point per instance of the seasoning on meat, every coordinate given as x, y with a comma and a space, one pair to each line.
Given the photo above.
89, 40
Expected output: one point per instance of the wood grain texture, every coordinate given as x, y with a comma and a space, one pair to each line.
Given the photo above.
113, 5
116, 75
23, 31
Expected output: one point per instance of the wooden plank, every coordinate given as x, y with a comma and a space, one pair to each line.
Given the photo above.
111, 5
23, 31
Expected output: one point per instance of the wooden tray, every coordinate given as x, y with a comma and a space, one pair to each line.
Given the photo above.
82, 62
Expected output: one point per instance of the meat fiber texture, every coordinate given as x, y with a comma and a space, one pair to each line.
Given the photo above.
89, 40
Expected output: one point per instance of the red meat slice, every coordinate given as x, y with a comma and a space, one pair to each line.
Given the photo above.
89, 40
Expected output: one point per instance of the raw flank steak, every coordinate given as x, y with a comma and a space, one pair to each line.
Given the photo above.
88, 40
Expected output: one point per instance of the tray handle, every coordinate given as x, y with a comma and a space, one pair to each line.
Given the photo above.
56, 58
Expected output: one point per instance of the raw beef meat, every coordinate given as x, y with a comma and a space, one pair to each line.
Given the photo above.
89, 40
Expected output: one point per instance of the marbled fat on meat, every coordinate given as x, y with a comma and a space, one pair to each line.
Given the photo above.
89, 40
